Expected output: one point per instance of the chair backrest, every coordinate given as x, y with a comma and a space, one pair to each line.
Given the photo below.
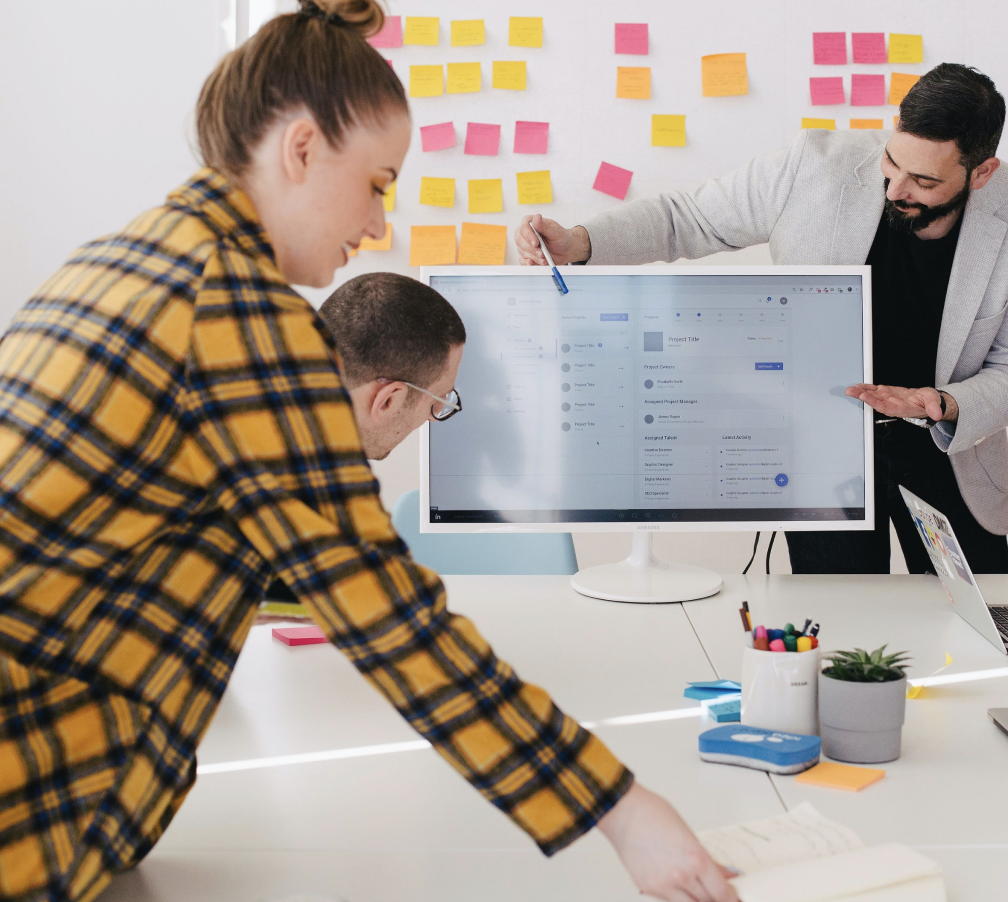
489, 554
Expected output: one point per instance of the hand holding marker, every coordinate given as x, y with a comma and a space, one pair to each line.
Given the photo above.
557, 278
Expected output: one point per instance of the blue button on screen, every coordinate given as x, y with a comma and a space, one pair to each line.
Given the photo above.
781, 479
770, 365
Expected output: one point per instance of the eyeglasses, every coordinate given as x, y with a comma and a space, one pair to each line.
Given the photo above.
450, 404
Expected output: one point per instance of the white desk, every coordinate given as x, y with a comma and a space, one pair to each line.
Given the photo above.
406, 827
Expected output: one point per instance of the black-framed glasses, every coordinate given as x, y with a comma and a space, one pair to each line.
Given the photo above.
451, 403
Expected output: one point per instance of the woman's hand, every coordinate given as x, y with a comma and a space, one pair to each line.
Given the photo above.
663, 856
564, 245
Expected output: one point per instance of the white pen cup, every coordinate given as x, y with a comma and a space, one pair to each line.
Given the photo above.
780, 690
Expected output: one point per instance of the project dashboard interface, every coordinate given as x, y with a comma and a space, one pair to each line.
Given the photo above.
653, 397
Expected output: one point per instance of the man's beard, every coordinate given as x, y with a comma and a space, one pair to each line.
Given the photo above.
900, 221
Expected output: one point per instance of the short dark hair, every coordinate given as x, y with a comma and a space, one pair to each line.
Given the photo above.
393, 327
956, 103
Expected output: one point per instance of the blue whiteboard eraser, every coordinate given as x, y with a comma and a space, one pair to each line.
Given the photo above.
769, 750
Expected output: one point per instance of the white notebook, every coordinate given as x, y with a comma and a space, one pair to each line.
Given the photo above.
803, 857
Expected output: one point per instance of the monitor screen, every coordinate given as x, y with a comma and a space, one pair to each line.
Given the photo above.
666, 395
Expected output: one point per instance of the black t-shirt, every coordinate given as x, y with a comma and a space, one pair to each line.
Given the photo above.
909, 280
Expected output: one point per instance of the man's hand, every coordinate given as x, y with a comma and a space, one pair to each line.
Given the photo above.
662, 855
564, 245
893, 401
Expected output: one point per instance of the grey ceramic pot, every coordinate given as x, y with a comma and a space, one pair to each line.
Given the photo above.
861, 722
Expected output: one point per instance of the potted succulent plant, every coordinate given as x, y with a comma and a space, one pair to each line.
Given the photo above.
862, 701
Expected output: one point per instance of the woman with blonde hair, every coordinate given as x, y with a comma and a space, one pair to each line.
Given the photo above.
173, 431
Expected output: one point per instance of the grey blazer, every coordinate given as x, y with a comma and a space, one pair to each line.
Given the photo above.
820, 201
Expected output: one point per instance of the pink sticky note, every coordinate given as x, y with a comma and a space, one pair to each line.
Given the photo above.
437, 137
390, 35
867, 90
299, 635
869, 47
612, 180
531, 137
632, 38
482, 139
829, 48
827, 91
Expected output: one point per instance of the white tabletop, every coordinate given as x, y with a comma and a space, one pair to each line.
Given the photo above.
405, 826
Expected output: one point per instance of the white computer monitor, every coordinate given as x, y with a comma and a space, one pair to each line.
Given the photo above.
654, 398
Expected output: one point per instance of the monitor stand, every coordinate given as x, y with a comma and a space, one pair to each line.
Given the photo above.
643, 580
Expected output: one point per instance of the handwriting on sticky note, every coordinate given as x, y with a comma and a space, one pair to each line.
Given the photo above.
509, 75
378, 244
390, 35
633, 82
525, 31
867, 90
668, 131
464, 78
632, 38
531, 137
482, 244
829, 48
432, 245
899, 84
437, 137
906, 48
827, 91
486, 196
818, 123
421, 30
467, 32
388, 201
868, 46
535, 187
724, 75
866, 123
482, 139
426, 81
437, 192
613, 180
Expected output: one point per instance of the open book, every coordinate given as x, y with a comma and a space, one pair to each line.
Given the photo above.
803, 857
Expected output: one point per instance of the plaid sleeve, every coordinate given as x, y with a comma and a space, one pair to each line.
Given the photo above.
275, 441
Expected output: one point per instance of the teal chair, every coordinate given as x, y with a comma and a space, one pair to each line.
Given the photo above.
487, 554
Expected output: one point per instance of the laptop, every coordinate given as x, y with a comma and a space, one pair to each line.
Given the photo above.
990, 621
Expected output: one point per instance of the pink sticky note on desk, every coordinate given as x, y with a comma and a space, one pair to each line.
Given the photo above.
869, 47
829, 48
482, 139
867, 90
531, 137
632, 38
299, 635
390, 35
827, 91
612, 180
437, 137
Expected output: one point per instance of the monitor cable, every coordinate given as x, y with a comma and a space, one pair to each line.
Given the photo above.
755, 546
773, 536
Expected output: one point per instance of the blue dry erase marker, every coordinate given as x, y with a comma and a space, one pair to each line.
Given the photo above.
556, 272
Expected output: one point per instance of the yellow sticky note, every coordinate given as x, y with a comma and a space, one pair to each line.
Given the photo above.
432, 245
724, 75
818, 123
668, 131
633, 82
899, 84
467, 32
464, 78
421, 30
380, 244
426, 81
525, 31
914, 691
840, 776
906, 48
535, 187
895, 121
866, 123
437, 192
486, 196
509, 75
388, 201
482, 244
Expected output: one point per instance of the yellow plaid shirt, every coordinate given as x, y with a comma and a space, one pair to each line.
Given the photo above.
173, 431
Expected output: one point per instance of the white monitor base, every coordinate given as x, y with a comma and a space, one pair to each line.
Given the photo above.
643, 580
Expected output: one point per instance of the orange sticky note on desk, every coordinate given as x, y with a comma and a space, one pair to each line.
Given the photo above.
432, 245
724, 75
906, 48
482, 244
840, 776
426, 81
437, 192
509, 75
633, 82
421, 30
486, 196
899, 84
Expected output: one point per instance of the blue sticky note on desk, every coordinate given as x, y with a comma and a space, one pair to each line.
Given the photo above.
726, 712
705, 691
725, 685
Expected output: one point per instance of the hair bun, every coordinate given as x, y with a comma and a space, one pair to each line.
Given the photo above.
366, 17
